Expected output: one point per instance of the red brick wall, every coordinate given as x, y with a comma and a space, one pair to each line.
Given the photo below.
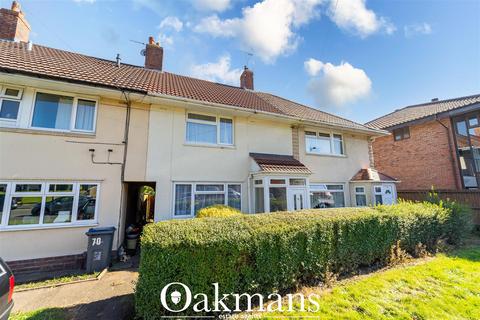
421, 161
71, 262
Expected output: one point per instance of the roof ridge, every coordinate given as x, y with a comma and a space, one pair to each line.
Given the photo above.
311, 108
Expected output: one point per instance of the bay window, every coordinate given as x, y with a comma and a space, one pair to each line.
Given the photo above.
324, 143
189, 198
47, 203
206, 129
64, 113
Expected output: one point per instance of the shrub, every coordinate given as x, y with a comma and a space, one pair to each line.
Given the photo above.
265, 253
218, 211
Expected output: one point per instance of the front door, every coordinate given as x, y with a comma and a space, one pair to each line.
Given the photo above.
387, 193
297, 199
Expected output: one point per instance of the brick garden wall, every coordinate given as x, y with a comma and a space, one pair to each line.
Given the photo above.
421, 161
71, 262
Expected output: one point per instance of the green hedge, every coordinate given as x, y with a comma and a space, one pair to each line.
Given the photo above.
267, 253
218, 211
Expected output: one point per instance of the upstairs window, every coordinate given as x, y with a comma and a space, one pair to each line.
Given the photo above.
401, 134
205, 129
64, 113
10, 103
324, 143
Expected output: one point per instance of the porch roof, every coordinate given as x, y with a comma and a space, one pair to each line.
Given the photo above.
277, 163
370, 174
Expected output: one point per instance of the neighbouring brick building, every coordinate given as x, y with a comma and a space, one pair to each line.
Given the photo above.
432, 144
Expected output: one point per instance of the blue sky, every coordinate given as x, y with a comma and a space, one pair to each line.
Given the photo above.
355, 58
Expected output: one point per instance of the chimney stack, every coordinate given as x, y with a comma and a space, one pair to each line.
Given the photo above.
153, 55
13, 25
246, 79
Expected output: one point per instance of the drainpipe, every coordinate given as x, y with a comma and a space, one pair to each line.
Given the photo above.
454, 168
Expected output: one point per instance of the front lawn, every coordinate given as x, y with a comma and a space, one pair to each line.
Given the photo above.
444, 287
42, 314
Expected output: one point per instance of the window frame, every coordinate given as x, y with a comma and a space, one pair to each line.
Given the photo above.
316, 189
403, 131
73, 115
44, 193
332, 135
217, 124
377, 193
194, 192
17, 98
364, 193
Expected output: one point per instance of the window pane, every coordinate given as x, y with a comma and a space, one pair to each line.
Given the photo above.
259, 200
12, 92
462, 128
359, 189
25, 210
9, 109
85, 115
60, 188
278, 199
326, 199
334, 187
406, 132
235, 196
3, 191
378, 199
297, 182
206, 200
320, 144
277, 181
310, 133
337, 144
258, 181
58, 209
378, 189
361, 200
52, 111
199, 132
210, 187
87, 201
226, 131
201, 117
183, 199
473, 121
28, 187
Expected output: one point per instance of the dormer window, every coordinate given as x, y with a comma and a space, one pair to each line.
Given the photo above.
206, 129
10, 103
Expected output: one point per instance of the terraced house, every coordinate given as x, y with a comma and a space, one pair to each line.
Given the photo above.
90, 142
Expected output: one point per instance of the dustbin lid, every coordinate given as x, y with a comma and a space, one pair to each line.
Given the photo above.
97, 231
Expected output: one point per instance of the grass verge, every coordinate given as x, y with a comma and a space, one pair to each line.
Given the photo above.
41, 314
56, 281
444, 287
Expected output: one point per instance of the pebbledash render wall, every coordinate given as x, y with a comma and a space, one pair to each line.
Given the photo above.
424, 160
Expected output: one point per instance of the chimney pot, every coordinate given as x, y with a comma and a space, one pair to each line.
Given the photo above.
246, 79
153, 55
13, 25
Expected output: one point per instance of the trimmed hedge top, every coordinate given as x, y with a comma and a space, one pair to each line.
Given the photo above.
266, 253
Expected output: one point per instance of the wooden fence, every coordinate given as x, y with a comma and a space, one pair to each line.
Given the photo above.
470, 198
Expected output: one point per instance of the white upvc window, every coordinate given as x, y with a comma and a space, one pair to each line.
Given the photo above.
47, 204
189, 198
10, 98
327, 196
360, 196
208, 129
324, 143
58, 112
378, 194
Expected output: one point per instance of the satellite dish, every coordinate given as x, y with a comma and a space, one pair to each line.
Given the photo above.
143, 52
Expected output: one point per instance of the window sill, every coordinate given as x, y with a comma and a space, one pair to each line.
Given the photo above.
47, 132
326, 155
43, 227
207, 145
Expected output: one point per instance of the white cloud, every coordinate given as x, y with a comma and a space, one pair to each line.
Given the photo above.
337, 85
266, 28
171, 22
353, 16
165, 40
313, 66
219, 71
417, 29
212, 5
